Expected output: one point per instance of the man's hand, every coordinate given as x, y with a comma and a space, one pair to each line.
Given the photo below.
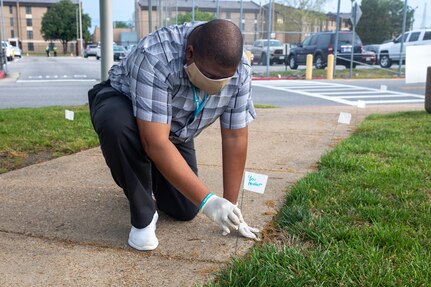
222, 212
248, 231
228, 216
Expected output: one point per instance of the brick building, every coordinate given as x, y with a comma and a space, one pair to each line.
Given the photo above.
285, 24
23, 21
165, 13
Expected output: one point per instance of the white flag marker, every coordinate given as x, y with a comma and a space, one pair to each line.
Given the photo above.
69, 115
344, 118
255, 182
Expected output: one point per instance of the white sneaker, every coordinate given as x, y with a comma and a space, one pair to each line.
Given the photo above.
144, 239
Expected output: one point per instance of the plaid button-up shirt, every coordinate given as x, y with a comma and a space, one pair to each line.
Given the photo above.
154, 79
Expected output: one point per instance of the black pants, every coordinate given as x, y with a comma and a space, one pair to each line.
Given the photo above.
112, 117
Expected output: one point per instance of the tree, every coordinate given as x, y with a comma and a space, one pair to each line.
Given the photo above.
306, 14
382, 20
121, 24
199, 16
59, 23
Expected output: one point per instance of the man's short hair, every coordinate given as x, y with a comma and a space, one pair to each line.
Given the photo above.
221, 41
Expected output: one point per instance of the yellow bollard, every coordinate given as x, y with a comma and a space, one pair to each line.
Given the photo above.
309, 68
330, 68
248, 54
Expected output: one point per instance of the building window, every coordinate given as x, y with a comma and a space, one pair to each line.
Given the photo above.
10, 9
228, 16
11, 22
12, 33
27, 10
29, 22
29, 35
30, 46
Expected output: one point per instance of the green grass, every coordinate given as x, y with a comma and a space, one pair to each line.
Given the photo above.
340, 74
362, 219
264, 106
33, 135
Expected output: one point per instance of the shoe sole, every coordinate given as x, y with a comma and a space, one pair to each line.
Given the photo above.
143, 248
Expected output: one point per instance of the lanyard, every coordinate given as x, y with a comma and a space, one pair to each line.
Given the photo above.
199, 106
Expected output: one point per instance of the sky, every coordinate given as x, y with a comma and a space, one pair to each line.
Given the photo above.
123, 10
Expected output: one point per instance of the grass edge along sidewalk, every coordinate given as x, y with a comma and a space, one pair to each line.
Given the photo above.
362, 219
32, 135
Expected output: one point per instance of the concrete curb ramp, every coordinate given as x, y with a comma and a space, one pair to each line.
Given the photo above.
65, 222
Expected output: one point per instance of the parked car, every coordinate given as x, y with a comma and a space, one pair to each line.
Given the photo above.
321, 44
276, 51
390, 52
368, 57
91, 50
372, 48
17, 52
119, 53
9, 52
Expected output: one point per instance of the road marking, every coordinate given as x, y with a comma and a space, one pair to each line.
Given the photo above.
58, 80
334, 92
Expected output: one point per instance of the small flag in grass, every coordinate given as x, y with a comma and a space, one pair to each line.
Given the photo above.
69, 115
344, 118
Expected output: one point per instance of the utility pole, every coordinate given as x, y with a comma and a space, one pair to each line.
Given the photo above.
337, 29
77, 31
402, 37
150, 17
106, 37
269, 38
3, 34
81, 50
193, 10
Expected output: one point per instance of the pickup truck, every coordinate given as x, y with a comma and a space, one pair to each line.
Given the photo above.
276, 51
390, 52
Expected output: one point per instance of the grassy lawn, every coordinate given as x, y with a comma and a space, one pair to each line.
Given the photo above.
340, 74
28, 136
362, 219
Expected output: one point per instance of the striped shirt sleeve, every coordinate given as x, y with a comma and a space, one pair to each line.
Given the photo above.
148, 89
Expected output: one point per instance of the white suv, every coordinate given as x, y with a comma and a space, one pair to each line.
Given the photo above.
390, 52
8, 50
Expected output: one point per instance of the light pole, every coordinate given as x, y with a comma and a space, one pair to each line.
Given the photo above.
193, 10
107, 37
269, 38
402, 37
3, 35
80, 29
337, 29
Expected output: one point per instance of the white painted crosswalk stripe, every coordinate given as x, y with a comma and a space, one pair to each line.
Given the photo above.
341, 93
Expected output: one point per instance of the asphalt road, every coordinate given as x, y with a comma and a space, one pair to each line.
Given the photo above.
61, 81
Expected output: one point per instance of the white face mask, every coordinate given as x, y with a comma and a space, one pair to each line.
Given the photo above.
204, 83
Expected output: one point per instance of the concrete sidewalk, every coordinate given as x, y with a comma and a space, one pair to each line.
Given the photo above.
65, 222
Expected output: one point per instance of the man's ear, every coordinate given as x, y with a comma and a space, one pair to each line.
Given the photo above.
189, 54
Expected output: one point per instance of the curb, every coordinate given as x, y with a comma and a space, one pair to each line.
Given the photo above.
284, 78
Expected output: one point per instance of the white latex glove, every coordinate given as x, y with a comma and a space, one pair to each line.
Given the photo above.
247, 231
223, 212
